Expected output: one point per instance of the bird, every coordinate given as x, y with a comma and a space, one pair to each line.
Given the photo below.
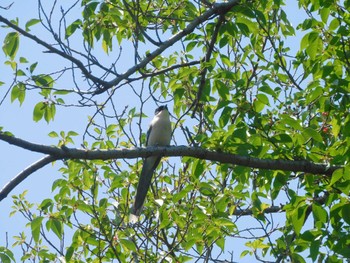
158, 134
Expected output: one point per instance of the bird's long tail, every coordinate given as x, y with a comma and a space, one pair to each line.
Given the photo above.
149, 165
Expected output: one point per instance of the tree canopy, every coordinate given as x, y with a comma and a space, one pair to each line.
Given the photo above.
259, 95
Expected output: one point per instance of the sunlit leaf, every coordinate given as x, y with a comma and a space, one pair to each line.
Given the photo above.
39, 111
73, 27
11, 44
298, 218
35, 227
31, 22
129, 245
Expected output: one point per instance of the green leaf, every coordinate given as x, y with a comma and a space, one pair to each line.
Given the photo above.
263, 99
266, 89
92, 241
31, 22
11, 44
12, 64
221, 243
319, 213
128, 245
18, 92
288, 120
310, 133
198, 168
43, 80
191, 45
23, 60
324, 12
20, 73
206, 189
258, 105
56, 226
53, 134
35, 226
72, 28
312, 44
346, 213
314, 94
50, 112
298, 218
257, 204
282, 138
225, 116
244, 253
32, 67
314, 249
222, 89
336, 176
62, 92
72, 133
244, 28
246, 25
335, 126
181, 194
297, 258
6, 255
334, 24
188, 244
46, 203
69, 253
4, 258
222, 221
39, 111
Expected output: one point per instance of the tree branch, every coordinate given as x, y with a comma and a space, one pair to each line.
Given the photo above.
248, 211
52, 49
55, 153
196, 152
217, 9
275, 209
24, 174
207, 59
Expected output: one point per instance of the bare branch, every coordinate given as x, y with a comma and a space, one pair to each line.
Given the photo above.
203, 73
52, 49
165, 70
6, 7
24, 174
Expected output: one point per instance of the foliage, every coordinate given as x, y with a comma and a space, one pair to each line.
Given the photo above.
240, 79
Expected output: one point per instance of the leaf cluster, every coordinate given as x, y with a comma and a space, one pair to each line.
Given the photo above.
237, 82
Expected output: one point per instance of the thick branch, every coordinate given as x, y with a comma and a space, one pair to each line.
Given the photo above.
24, 174
218, 8
196, 152
249, 211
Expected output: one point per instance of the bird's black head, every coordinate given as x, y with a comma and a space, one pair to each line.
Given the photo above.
160, 108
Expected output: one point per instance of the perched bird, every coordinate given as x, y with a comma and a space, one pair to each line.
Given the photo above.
158, 134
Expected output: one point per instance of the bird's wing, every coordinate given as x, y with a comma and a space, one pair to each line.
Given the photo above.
148, 134
149, 165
